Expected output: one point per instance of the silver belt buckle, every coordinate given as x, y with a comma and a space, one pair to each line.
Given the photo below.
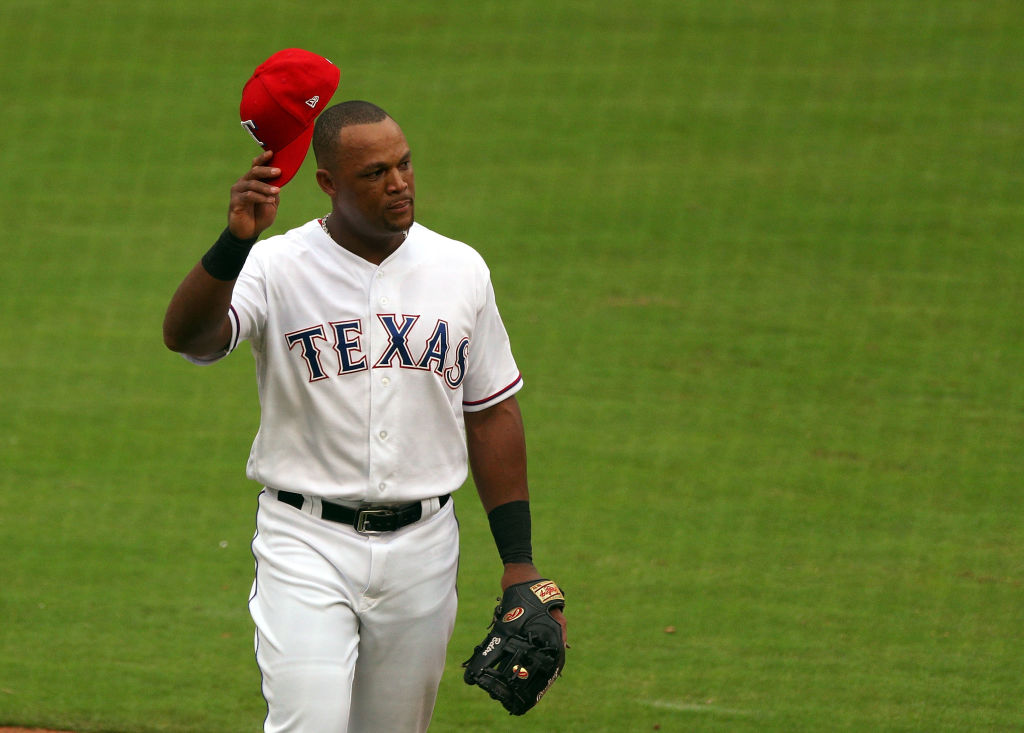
364, 515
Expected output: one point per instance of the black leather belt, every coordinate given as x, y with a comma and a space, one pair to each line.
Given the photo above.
379, 518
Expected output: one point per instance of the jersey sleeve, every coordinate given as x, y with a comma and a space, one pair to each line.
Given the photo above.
249, 299
491, 371
247, 312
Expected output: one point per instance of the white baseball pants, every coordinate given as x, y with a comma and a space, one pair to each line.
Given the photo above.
351, 629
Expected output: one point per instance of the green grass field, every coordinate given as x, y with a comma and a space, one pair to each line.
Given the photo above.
761, 263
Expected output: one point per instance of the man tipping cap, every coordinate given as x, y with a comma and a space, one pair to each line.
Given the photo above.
280, 102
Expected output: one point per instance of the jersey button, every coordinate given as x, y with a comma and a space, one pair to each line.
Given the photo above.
385, 381
384, 301
383, 434
381, 486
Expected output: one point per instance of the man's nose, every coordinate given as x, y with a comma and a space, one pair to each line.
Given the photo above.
396, 181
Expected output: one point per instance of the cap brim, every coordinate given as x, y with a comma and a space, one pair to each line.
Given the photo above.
289, 159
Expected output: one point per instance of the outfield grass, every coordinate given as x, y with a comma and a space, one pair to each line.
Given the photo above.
761, 263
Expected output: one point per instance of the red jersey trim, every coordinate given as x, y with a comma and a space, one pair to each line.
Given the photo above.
518, 380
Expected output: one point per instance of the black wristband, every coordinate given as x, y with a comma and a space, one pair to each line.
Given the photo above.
225, 258
512, 529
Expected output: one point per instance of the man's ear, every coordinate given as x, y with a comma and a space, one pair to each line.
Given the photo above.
326, 181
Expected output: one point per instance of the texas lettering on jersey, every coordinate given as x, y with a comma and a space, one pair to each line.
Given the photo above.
401, 348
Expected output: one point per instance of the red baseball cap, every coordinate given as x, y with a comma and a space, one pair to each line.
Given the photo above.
280, 102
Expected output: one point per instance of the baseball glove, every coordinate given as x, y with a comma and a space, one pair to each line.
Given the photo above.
523, 654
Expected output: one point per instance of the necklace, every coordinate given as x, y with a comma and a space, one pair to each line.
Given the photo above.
323, 225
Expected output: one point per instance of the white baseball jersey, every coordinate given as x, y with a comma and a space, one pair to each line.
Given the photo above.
364, 370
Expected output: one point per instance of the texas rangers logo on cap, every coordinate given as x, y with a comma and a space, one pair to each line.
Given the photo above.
281, 101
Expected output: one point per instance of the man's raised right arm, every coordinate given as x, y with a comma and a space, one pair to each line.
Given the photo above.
196, 322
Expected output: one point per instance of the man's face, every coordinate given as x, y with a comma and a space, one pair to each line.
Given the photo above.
371, 181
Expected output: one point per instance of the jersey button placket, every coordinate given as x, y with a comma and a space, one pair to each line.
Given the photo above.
386, 379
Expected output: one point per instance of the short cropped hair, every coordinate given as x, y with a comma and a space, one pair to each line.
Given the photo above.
326, 131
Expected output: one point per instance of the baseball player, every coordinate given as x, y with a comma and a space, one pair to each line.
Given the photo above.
382, 367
